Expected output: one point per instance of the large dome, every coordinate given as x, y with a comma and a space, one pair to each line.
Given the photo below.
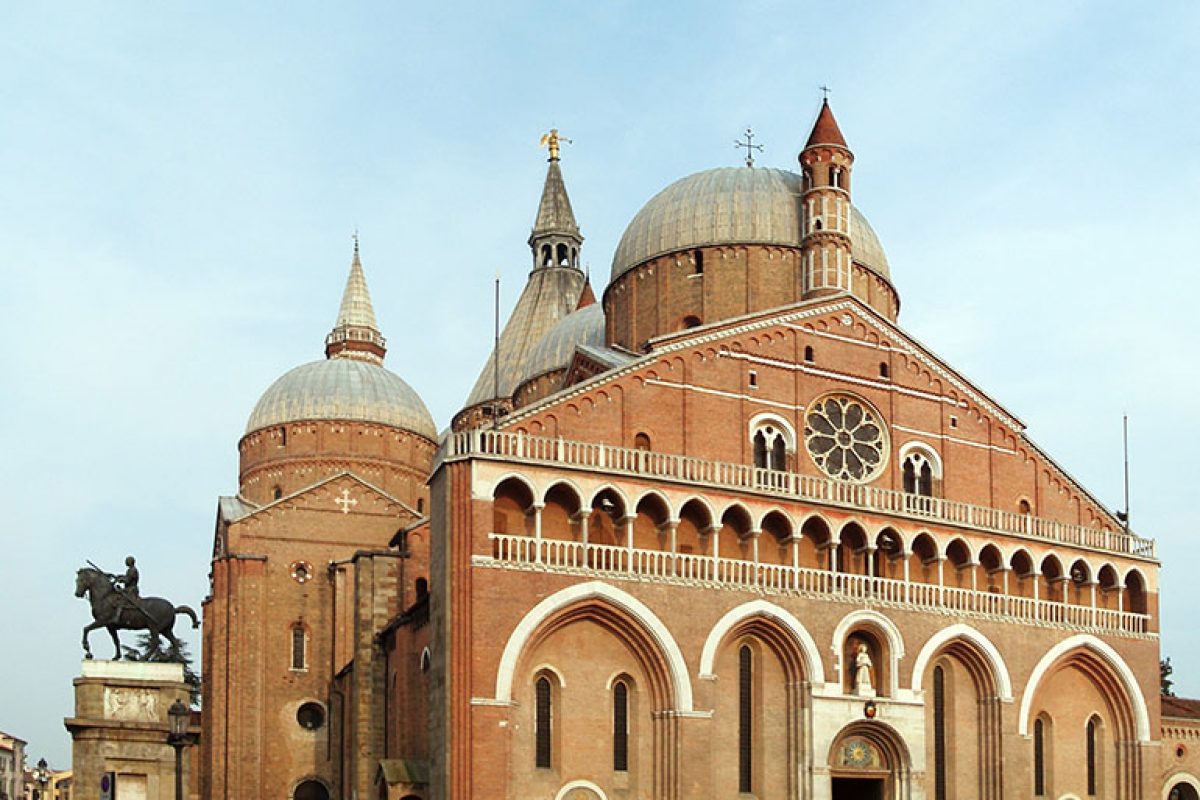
557, 347
730, 205
345, 389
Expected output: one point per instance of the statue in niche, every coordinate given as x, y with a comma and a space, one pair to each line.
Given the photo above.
862, 672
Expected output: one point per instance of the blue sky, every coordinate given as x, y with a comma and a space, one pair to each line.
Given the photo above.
181, 182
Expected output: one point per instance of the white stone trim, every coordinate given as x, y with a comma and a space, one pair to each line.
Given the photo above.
895, 644
925, 450
1110, 656
580, 784
813, 668
963, 631
1177, 778
506, 671
751, 398
956, 439
764, 418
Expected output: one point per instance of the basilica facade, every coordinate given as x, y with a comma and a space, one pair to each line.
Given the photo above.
723, 530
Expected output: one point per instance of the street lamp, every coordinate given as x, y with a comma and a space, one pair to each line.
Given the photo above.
41, 774
180, 716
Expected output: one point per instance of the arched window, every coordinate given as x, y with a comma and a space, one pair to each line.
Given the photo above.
883, 369
698, 261
277, 492
621, 726
299, 640
422, 588
770, 448
420, 505
1091, 757
542, 722
1039, 758
920, 471
641, 442
311, 790
809, 356
691, 321
745, 720
939, 733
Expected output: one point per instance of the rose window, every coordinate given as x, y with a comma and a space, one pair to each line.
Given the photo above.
845, 438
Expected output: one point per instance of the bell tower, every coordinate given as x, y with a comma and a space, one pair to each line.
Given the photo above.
825, 216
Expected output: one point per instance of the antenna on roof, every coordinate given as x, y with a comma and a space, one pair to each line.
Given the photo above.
1125, 443
496, 356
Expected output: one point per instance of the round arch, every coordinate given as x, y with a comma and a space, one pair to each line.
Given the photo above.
680, 680
517, 477
885, 626
769, 418
567, 788
566, 483
1173, 780
974, 638
1085, 641
813, 667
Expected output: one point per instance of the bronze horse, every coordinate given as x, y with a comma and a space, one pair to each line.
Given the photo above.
111, 611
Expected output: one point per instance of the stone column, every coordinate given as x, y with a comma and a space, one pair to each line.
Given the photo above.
121, 725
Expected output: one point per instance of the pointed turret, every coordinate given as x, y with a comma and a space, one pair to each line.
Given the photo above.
555, 239
552, 292
826, 250
826, 130
356, 334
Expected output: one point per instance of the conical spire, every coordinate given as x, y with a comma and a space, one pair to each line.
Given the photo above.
356, 334
555, 240
826, 130
587, 297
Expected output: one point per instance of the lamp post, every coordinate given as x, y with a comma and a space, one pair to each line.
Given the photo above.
180, 716
41, 774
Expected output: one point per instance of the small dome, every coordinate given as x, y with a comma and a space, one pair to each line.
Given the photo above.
344, 389
730, 205
555, 349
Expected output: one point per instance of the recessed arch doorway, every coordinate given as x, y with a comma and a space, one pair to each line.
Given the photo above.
868, 761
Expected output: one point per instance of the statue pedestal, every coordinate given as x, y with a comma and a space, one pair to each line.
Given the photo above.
121, 726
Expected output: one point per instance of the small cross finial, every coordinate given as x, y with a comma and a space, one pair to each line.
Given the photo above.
345, 501
355, 237
551, 140
824, 92
749, 145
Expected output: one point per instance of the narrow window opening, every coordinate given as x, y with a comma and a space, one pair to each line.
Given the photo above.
641, 442
745, 721
1039, 759
283, 437
620, 727
808, 354
542, 724
1091, 758
760, 450
420, 505
910, 477
277, 492
564, 257
953, 421
883, 369
698, 261
925, 481
298, 642
817, 225
1023, 507
778, 453
753, 379
691, 321
939, 733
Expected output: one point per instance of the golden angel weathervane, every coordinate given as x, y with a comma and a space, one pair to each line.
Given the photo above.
551, 140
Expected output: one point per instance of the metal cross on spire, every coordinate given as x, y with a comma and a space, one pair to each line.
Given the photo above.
824, 92
750, 146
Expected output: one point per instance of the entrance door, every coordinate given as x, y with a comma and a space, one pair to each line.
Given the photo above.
858, 789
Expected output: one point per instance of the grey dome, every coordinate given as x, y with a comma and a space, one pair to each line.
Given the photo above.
730, 205
343, 388
556, 348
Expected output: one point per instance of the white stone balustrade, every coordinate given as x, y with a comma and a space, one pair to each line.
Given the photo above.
570, 557
824, 491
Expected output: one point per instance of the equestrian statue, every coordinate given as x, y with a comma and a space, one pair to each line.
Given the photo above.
117, 605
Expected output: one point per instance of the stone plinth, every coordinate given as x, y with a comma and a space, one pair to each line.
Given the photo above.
121, 726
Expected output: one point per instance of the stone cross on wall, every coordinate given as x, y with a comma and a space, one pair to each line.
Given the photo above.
345, 501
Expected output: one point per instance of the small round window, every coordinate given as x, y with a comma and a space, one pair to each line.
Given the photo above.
845, 438
311, 716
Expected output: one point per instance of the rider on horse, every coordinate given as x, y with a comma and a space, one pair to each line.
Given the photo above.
127, 586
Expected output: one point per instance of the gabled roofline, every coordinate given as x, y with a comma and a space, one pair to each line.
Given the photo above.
757, 320
309, 488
